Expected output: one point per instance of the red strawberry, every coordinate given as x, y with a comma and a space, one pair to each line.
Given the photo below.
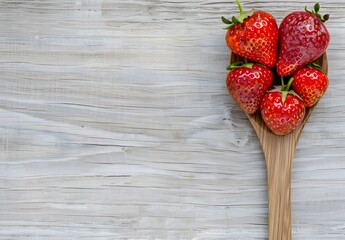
282, 111
253, 36
310, 84
247, 84
303, 38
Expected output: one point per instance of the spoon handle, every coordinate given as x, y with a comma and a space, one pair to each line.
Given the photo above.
279, 152
278, 165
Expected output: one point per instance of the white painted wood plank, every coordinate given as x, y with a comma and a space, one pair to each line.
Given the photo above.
116, 124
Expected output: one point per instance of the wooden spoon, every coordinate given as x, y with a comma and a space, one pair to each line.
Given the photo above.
279, 152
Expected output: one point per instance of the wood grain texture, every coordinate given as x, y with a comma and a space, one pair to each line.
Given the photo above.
116, 124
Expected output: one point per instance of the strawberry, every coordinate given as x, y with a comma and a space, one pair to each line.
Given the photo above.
310, 83
247, 84
253, 36
303, 38
282, 111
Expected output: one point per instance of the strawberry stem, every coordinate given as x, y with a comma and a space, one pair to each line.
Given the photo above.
282, 82
289, 84
285, 90
234, 20
239, 6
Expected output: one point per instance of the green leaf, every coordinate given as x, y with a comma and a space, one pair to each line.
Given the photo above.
276, 89
325, 17
237, 64
234, 19
317, 7
248, 65
228, 27
295, 94
315, 65
226, 21
234, 65
284, 95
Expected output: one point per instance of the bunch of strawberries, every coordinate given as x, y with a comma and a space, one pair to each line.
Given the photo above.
302, 38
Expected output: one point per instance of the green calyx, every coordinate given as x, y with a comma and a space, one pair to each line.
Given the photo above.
315, 65
315, 11
285, 89
239, 19
239, 65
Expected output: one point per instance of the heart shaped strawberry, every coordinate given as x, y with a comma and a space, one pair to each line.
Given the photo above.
282, 111
253, 36
303, 38
247, 84
310, 83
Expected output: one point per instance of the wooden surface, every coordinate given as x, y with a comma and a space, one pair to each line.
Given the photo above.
116, 124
